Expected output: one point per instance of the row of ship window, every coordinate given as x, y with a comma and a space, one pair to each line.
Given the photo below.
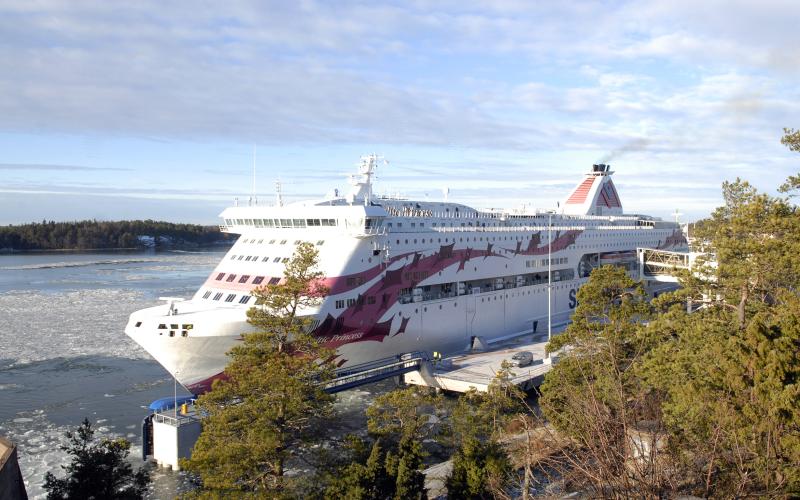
254, 258
244, 299
282, 242
560, 260
281, 222
517, 238
245, 278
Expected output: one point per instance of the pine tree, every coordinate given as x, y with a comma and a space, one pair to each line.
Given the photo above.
729, 372
98, 470
270, 405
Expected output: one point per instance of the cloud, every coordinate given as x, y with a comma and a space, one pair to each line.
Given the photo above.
67, 168
513, 91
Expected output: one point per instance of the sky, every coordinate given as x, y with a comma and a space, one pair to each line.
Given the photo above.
151, 109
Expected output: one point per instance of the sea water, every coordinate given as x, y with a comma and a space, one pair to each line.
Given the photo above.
64, 355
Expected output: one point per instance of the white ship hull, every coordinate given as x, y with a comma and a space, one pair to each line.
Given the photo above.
403, 276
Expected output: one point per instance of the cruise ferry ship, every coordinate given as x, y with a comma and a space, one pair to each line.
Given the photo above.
403, 275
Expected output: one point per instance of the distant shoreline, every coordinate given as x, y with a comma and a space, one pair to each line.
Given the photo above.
93, 235
207, 246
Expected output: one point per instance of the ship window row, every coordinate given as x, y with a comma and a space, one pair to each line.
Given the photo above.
243, 299
254, 258
253, 241
556, 262
408, 241
454, 289
175, 326
462, 240
244, 279
360, 300
282, 223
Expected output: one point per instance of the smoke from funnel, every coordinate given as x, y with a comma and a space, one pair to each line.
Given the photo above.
633, 145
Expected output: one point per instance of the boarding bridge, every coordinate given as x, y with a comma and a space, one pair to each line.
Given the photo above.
660, 265
375, 371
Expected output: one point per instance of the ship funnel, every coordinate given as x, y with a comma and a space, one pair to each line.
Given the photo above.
595, 195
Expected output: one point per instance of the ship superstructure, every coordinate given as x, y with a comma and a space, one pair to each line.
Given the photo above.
403, 275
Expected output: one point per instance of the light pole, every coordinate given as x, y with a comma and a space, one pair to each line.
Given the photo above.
175, 395
549, 274
549, 280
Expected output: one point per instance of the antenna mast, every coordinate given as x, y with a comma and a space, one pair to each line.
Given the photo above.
254, 175
278, 195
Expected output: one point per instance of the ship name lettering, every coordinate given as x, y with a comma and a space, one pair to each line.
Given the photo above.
347, 337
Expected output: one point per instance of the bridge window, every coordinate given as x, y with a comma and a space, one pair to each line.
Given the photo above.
217, 296
340, 304
245, 299
230, 297
207, 294
220, 276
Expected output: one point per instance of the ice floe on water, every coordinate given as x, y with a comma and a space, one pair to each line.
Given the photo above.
35, 326
65, 355
39, 444
60, 265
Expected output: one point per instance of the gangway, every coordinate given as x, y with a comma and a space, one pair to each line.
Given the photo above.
375, 371
660, 265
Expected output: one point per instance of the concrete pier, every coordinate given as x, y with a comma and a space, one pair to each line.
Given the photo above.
477, 369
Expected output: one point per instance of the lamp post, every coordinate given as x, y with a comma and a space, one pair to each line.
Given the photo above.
175, 395
549, 274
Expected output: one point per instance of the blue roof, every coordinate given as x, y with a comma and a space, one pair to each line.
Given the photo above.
168, 402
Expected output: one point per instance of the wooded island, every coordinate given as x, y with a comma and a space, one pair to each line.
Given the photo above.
104, 235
